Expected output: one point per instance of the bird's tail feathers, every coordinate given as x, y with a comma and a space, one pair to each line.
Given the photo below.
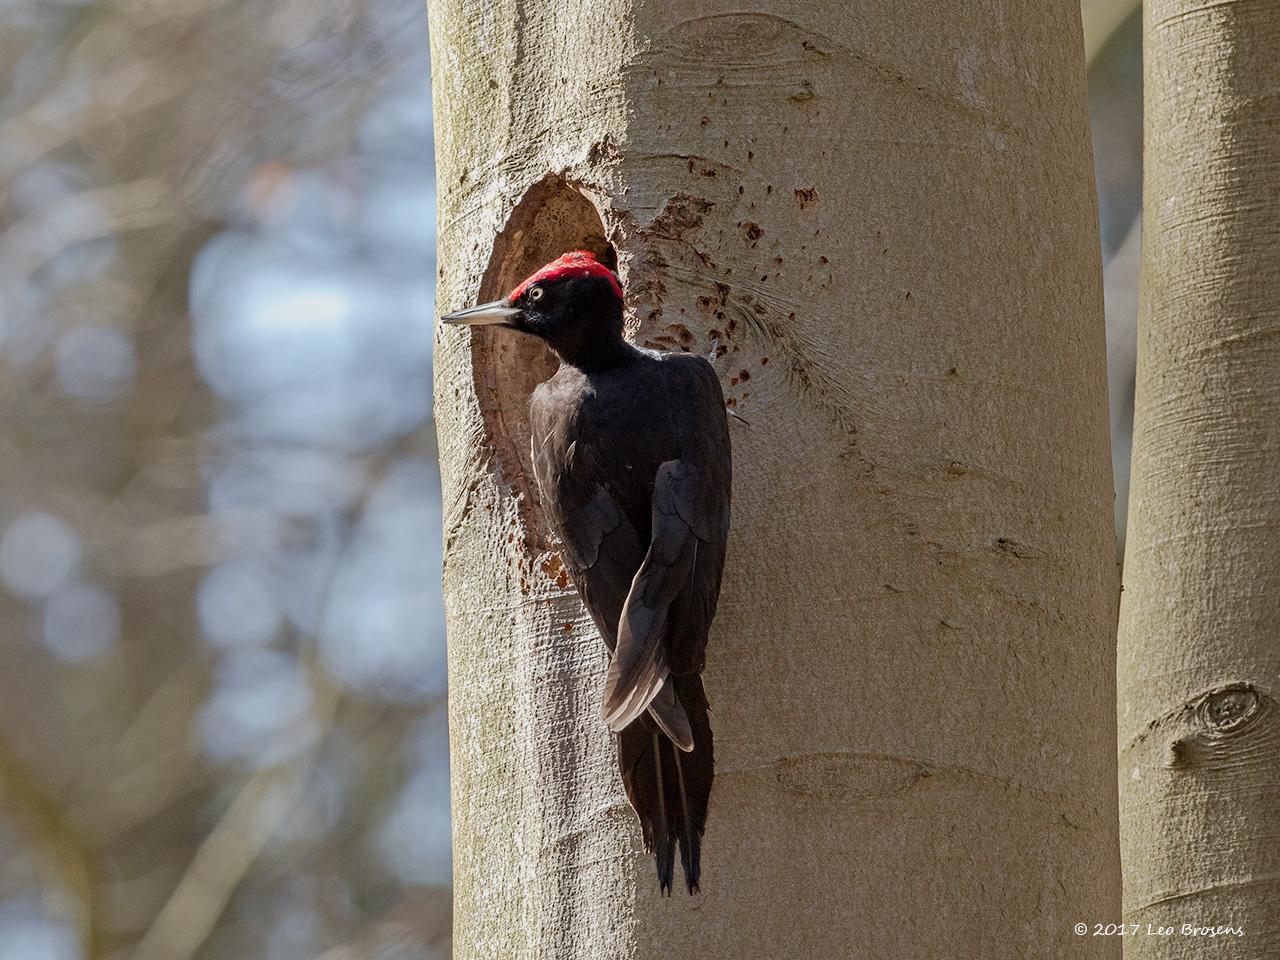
669, 788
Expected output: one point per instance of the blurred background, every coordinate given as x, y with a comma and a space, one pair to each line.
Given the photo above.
222, 676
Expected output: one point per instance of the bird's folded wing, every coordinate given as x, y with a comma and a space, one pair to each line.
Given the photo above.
669, 714
603, 552
639, 664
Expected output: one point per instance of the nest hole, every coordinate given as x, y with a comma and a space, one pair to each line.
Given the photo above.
552, 218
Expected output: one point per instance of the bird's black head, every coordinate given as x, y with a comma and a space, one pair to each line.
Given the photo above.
573, 303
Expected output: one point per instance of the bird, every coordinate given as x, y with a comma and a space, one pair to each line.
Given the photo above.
633, 463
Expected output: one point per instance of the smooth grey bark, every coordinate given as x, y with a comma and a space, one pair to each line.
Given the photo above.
1198, 652
883, 217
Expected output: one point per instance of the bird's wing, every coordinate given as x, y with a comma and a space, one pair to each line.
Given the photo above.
600, 546
602, 551
681, 525
705, 505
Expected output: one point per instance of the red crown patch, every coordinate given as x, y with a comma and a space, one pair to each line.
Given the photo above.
576, 263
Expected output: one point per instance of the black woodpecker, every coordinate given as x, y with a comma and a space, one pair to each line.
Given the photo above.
632, 458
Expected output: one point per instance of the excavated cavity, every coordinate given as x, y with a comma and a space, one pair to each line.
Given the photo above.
551, 218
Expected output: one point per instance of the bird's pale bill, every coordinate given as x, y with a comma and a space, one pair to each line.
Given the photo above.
486, 314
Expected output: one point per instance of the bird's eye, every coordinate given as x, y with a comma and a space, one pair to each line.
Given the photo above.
535, 294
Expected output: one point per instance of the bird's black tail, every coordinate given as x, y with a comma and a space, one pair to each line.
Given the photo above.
669, 788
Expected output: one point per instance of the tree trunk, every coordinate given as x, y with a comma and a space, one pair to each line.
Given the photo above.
1199, 657
883, 219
